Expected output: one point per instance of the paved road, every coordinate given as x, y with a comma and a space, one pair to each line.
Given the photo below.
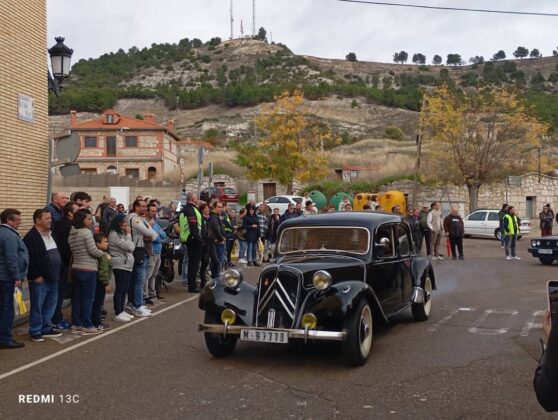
473, 359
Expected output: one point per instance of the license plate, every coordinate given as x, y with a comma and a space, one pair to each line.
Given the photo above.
264, 336
545, 251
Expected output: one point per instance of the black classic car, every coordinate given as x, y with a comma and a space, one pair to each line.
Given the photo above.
545, 249
332, 277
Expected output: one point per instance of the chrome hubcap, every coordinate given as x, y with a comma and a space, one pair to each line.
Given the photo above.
427, 293
365, 331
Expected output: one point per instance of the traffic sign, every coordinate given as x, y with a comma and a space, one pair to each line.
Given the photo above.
67, 148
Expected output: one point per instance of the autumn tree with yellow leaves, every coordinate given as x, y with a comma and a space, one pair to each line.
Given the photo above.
289, 144
476, 137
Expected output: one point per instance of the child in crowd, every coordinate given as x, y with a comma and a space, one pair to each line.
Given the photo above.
103, 279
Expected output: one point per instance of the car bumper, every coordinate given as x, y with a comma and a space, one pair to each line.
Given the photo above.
293, 333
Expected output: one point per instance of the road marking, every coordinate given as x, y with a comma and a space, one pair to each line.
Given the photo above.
475, 329
91, 340
450, 316
531, 324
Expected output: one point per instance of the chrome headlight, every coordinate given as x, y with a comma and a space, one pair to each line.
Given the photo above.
321, 280
232, 278
533, 243
538, 243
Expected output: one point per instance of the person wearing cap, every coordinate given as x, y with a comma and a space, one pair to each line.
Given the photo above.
546, 217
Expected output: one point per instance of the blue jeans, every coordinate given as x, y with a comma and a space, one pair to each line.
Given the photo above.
251, 251
85, 285
510, 245
135, 291
242, 245
43, 297
221, 254
6, 311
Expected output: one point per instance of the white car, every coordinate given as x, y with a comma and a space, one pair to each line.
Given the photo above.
484, 222
282, 202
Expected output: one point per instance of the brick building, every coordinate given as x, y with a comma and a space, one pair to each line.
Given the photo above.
23, 106
123, 145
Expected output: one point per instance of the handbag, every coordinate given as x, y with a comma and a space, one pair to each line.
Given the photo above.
139, 255
19, 304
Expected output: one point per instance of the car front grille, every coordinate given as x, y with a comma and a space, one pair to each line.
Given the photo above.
278, 297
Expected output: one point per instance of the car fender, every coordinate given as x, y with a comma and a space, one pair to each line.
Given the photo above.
420, 266
215, 297
342, 299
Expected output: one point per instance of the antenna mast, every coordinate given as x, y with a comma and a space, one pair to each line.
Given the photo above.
232, 21
253, 18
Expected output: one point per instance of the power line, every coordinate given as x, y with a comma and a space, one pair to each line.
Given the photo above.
458, 9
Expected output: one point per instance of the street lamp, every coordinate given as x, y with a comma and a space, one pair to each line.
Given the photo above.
60, 59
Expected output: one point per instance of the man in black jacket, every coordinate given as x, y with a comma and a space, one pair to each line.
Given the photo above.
216, 235
43, 275
61, 232
546, 374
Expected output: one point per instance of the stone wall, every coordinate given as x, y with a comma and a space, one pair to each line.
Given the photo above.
528, 195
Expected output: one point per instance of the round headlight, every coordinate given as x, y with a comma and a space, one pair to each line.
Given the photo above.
232, 278
309, 321
538, 243
228, 317
533, 243
321, 280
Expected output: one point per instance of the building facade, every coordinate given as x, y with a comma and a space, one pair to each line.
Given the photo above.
126, 146
23, 106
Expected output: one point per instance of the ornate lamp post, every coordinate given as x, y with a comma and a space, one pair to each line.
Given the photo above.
60, 58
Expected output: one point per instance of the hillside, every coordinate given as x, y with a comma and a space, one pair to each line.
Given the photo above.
246, 72
214, 90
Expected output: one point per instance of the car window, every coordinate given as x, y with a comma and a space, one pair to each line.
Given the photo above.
230, 191
273, 200
283, 200
319, 238
388, 250
297, 199
403, 243
478, 216
493, 216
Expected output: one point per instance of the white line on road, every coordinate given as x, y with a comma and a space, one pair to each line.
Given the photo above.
531, 324
447, 318
91, 340
477, 329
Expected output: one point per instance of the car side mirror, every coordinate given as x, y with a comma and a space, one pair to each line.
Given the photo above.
384, 243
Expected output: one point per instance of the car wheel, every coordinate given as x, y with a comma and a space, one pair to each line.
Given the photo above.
356, 347
421, 311
546, 260
217, 344
498, 234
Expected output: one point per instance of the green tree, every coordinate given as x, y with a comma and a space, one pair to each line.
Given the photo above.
535, 53
400, 57
197, 43
521, 52
500, 55
419, 58
289, 144
437, 60
478, 59
215, 41
478, 136
261, 35
453, 60
351, 57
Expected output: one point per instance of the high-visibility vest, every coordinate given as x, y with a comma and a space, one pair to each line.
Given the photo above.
228, 229
512, 222
185, 227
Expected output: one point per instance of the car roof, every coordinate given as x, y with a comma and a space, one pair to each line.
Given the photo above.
354, 218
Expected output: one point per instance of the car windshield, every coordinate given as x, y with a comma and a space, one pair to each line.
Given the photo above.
297, 199
321, 238
230, 191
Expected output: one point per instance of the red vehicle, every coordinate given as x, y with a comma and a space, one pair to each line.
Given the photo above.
224, 194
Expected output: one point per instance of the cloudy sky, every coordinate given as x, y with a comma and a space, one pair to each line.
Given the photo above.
323, 28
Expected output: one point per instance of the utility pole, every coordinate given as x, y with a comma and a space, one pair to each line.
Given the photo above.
253, 18
232, 21
256, 84
420, 135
